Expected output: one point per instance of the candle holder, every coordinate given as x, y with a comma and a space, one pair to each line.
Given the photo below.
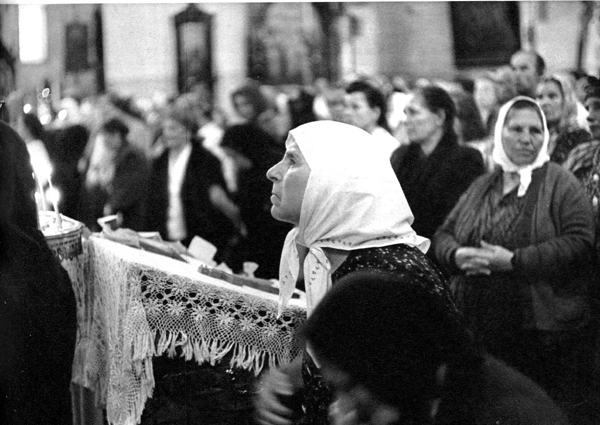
63, 234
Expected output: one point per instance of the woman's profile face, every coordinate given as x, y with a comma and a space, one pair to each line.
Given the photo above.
592, 105
421, 122
522, 135
289, 177
551, 100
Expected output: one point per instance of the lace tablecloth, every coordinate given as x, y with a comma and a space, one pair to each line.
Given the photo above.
134, 305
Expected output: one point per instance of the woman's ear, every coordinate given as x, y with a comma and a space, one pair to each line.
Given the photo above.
441, 116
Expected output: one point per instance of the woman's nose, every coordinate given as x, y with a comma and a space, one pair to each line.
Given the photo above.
272, 173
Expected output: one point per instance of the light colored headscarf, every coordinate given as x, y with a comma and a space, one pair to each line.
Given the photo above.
500, 157
352, 201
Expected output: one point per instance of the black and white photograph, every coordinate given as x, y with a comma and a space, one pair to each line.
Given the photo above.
300, 213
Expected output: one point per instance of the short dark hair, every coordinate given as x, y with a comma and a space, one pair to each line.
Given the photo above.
437, 99
375, 98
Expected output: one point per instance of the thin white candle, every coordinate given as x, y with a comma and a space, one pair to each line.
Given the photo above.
55, 203
41, 189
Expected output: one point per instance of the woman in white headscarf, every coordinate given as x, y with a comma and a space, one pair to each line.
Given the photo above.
519, 247
349, 213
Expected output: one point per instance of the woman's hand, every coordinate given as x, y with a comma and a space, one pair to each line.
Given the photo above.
499, 258
275, 386
472, 261
485, 260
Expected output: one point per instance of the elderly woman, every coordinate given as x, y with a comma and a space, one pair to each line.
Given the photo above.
519, 245
349, 213
556, 97
434, 170
420, 371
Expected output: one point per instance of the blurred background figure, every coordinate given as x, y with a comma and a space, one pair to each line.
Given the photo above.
115, 180
187, 192
335, 97
556, 96
433, 170
397, 101
32, 132
417, 367
486, 98
366, 108
253, 153
528, 67
469, 127
38, 316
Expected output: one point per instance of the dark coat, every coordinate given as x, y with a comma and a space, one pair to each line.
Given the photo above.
201, 217
37, 306
433, 184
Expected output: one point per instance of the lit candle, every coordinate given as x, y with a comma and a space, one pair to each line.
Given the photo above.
54, 199
42, 196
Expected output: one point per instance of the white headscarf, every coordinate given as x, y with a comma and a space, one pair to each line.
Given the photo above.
500, 157
352, 201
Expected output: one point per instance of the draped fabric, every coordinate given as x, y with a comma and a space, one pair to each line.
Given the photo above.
352, 201
134, 305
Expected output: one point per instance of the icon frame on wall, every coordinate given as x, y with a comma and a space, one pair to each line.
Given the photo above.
193, 29
485, 33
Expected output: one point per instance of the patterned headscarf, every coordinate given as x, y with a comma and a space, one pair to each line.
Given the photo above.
499, 155
352, 201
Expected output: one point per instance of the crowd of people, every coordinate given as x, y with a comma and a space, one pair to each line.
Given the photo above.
446, 233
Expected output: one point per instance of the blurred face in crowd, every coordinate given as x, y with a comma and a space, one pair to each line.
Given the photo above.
289, 177
244, 108
336, 102
175, 134
522, 135
523, 65
485, 93
422, 124
550, 98
112, 141
592, 105
359, 113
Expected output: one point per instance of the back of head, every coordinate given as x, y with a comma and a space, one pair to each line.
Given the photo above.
391, 334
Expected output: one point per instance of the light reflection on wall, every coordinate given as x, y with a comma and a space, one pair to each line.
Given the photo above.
33, 33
